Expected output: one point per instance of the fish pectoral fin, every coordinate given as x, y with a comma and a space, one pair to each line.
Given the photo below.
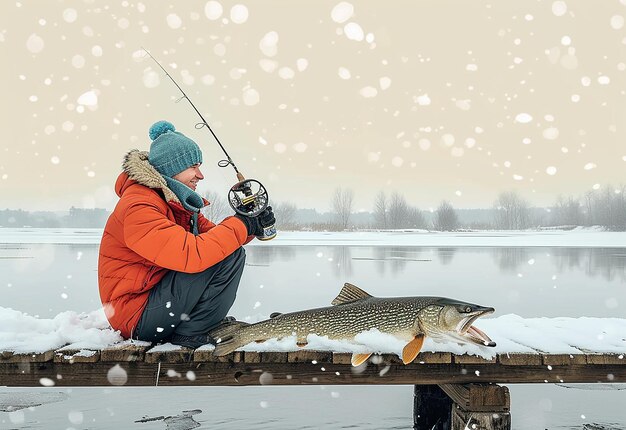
411, 349
358, 359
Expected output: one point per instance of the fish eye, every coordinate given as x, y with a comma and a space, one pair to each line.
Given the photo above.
468, 309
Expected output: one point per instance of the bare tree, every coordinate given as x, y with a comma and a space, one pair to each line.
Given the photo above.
395, 212
609, 208
218, 207
620, 209
589, 208
342, 205
446, 218
398, 212
381, 210
567, 212
285, 213
512, 212
416, 218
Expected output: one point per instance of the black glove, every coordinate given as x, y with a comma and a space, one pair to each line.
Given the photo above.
266, 218
252, 224
256, 224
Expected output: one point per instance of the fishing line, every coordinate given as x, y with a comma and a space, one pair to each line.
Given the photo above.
248, 196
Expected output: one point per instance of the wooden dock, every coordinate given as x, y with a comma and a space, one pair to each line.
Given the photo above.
462, 386
143, 366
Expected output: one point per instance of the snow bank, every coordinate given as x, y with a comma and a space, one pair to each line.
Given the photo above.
23, 333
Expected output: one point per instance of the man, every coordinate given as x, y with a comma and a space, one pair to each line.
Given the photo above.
165, 272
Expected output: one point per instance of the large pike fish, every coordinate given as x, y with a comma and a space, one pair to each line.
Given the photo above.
355, 311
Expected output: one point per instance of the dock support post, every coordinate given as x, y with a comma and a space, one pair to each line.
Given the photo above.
462, 420
479, 406
431, 408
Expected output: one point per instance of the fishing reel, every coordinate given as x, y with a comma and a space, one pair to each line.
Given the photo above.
249, 197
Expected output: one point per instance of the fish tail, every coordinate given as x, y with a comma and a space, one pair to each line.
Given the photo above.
228, 337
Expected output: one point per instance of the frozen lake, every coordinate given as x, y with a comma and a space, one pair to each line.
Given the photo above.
524, 274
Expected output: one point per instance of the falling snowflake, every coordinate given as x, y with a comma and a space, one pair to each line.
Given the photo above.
34, 43
213, 10
353, 31
523, 118
268, 44
342, 12
239, 14
559, 8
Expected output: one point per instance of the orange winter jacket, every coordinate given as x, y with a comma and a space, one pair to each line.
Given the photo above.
148, 234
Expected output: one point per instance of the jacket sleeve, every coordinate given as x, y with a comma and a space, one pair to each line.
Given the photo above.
151, 234
204, 224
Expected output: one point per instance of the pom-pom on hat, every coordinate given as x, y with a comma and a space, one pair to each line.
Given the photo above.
171, 152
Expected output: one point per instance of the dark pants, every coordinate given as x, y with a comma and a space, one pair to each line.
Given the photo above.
191, 304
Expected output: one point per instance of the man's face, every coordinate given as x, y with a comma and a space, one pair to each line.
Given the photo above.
190, 176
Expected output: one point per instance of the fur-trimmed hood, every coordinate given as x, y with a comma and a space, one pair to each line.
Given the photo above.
139, 169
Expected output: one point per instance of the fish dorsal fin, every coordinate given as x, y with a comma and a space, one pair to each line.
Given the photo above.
349, 293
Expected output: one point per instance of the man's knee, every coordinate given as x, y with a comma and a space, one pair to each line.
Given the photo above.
240, 252
236, 259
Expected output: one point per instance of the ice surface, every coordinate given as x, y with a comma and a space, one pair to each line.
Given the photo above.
579, 237
10, 402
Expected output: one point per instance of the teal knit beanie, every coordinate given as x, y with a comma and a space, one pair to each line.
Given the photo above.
171, 152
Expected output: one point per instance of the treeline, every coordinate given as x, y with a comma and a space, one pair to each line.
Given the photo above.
76, 217
604, 207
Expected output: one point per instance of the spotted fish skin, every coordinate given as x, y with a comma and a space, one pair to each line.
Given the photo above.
342, 321
354, 311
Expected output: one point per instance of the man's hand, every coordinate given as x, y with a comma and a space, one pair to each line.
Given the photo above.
266, 218
256, 224
252, 224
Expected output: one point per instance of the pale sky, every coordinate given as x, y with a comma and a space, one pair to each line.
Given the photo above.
437, 100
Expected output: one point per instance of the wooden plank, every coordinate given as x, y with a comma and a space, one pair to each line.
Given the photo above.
274, 357
479, 397
306, 356
124, 352
76, 356
388, 359
342, 358
606, 359
182, 355
237, 374
251, 357
206, 355
32, 357
472, 359
76, 374
434, 358
519, 359
564, 359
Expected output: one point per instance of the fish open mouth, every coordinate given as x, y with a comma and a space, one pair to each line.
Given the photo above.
473, 334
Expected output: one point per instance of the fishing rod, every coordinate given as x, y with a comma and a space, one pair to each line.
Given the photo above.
247, 197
